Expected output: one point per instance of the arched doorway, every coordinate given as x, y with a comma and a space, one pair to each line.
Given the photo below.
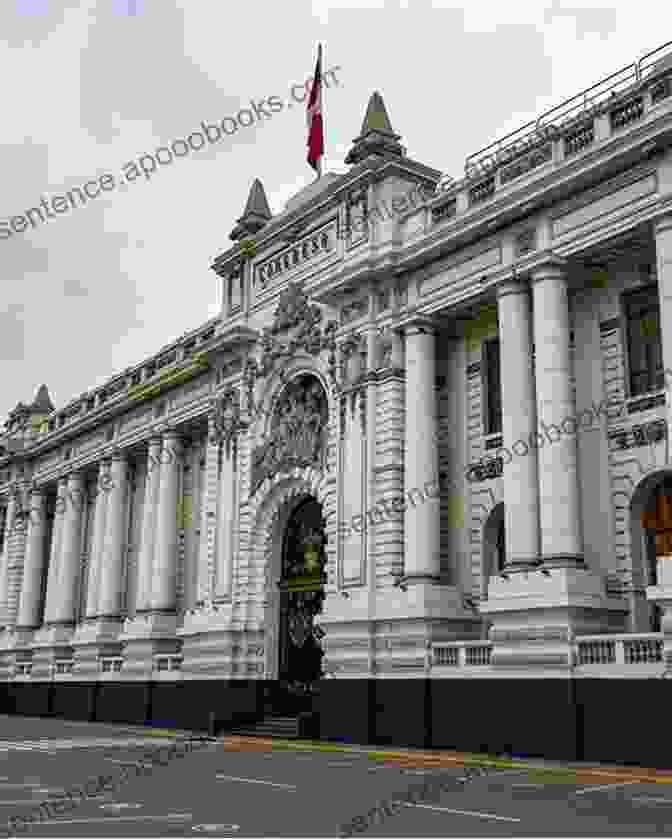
651, 539
301, 597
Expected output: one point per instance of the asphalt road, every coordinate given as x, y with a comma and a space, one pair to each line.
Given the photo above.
218, 792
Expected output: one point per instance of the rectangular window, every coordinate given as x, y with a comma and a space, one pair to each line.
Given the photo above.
645, 352
3, 525
492, 387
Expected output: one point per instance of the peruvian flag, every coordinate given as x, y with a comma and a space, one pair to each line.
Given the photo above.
314, 117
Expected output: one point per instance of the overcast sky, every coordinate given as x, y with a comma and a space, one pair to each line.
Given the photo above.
89, 85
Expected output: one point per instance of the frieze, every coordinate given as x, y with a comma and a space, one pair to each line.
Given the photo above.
316, 246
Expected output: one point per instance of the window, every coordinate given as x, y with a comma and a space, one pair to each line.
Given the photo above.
645, 355
492, 388
3, 525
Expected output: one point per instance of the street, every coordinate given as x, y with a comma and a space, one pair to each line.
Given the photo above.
235, 787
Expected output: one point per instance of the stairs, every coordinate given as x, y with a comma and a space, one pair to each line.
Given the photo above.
272, 725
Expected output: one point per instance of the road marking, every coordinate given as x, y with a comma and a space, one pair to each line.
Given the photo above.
253, 781
461, 812
211, 828
112, 819
606, 786
121, 805
23, 801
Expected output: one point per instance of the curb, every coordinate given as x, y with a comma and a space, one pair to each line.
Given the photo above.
438, 760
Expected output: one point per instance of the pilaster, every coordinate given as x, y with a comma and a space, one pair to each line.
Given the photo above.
663, 241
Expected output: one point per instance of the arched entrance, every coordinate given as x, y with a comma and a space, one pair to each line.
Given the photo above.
301, 597
651, 539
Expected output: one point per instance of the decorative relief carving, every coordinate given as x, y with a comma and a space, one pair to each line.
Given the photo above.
354, 310
298, 433
297, 315
639, 435
226, 419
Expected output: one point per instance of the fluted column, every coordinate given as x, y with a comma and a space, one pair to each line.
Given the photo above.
559, 507
663, 238
421, 461
148, 537
70, 554
34, 564
165, 557
519, 425
10, 525
225, 519
98, 540
53, 592
109, 602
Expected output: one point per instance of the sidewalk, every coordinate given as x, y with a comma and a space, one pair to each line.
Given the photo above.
435, 759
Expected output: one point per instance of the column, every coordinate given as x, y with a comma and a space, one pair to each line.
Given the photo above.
71, 552
98, 540
34, 564
53, 593
147, 538
10, 527
165, 562
561, 538
519, 425
663, 238
109, 600
421, 460
225, 519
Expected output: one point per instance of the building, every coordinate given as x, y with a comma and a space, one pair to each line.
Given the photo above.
427, 439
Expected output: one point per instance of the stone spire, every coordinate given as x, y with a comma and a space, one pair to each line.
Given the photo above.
257, 213
376, 136
42, 403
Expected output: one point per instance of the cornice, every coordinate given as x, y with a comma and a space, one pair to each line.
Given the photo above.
554, 185
371, 170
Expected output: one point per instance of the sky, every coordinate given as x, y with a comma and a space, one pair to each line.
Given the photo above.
91, 85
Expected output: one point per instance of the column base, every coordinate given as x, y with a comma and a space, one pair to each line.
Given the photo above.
534, 616
94, 638
50, 643
145, 635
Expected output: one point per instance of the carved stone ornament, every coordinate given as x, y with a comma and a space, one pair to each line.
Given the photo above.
300, 321
298, 432
225, 416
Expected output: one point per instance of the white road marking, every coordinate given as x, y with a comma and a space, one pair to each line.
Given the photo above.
121, 805
253, 781
112, 819
606, 786
461, 812
211, 828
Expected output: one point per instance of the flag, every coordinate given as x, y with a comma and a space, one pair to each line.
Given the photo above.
314, 118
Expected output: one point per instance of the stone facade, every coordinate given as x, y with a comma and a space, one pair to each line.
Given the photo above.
143, 522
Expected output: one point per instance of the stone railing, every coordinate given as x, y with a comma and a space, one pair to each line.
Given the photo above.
622, 653
111, 664
607, 108
623, 650
62, 667
167, 662
461, 654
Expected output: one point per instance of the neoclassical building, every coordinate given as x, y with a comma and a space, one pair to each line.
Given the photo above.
428, 434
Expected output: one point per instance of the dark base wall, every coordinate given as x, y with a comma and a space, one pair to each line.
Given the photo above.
598, 720
189, 705
623, 721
